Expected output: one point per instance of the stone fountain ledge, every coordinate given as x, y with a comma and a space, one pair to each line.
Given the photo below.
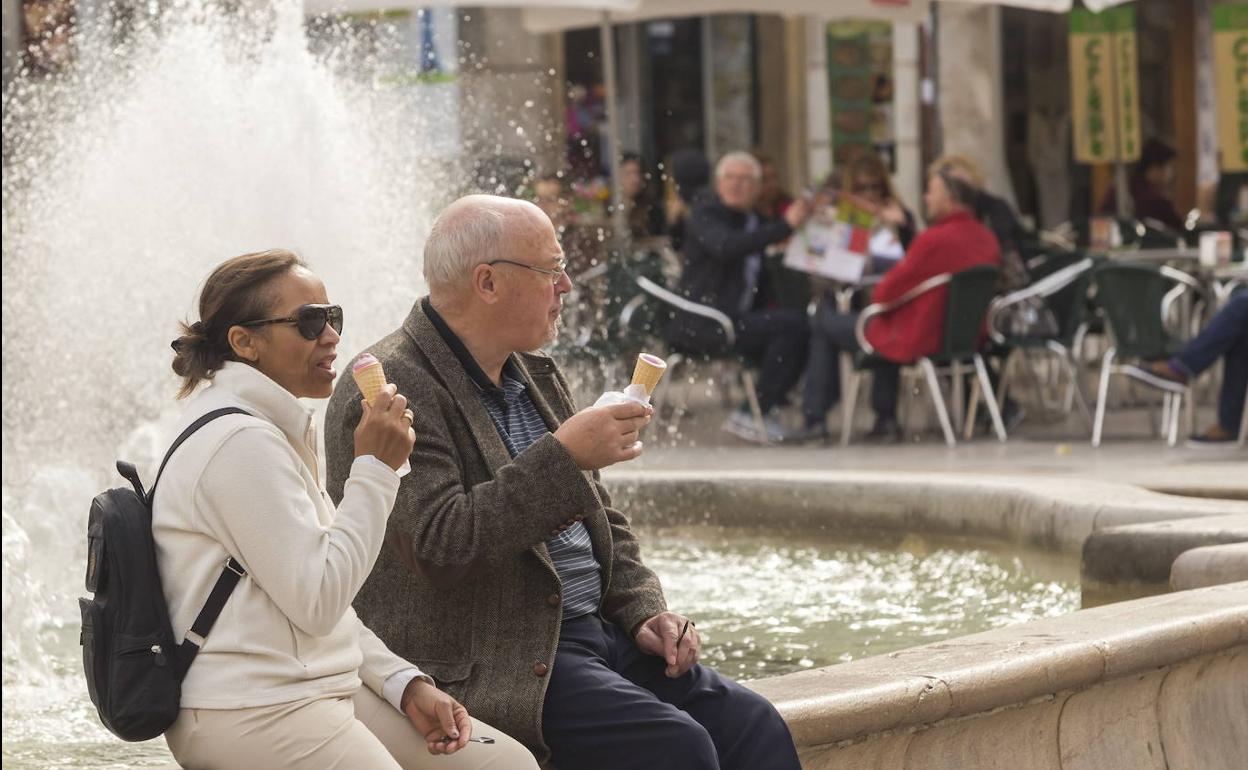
1156, 682
1056, 514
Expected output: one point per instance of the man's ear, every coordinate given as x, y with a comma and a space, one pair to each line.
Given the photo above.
243, 342
485, 284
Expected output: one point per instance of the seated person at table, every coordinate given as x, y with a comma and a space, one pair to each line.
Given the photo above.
690, 175
1150, 187
995, 214
1226, 336
723, 265
867, 184
954, 242
1231, 200
773, 200
642, 209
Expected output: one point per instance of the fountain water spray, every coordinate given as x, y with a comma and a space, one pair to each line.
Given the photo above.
197, 135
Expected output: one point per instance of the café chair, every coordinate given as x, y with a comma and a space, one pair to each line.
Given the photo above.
1060, 286
970, 292
1137, 300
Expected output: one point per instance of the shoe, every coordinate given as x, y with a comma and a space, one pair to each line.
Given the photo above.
1159, 374
1012, 415
885, 431
741, 424
813, 432
1213, 438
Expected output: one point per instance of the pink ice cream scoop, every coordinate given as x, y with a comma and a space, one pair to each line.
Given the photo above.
368, 375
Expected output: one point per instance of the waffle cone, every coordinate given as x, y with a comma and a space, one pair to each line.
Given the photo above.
370, 379
649, 371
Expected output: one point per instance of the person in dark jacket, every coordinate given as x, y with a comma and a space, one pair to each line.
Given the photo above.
955, 241
1150, 187
994, 213
723, 268
691, 173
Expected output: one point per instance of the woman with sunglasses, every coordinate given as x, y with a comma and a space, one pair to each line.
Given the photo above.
288, 676
867, 186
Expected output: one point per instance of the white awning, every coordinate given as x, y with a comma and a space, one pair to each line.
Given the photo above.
539, 19
556, 15
317, 7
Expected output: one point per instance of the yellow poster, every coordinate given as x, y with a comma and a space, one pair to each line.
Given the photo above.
1230, 61
1127, 84
1104, 85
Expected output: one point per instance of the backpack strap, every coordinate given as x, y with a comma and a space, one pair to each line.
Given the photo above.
177, 442
230, 573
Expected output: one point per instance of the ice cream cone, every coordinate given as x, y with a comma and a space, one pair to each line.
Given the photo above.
649, 371
369, 376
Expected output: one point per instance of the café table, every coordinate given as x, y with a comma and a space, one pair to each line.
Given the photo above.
1177, 254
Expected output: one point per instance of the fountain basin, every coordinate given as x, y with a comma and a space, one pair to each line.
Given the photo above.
1154, 682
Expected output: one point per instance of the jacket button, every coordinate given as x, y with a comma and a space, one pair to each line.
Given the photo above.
553, 600
540, 669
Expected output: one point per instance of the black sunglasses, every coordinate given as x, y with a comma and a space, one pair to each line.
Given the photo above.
310, 320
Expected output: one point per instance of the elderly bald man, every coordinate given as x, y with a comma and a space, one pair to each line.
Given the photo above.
508, 576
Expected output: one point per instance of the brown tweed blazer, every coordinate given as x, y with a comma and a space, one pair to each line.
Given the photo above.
464, 586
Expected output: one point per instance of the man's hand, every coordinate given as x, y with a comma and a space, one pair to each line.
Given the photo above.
797, 213
604, 435
659, 636
437, 716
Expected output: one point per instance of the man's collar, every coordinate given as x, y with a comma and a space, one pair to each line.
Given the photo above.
457, 346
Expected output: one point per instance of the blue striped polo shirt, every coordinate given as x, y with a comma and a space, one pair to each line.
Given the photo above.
519, 424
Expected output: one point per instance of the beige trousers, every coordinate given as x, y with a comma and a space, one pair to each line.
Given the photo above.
363, 733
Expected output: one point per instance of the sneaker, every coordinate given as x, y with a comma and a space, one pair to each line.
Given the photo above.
1159, 374
1213, 438
741, 424
885, 431
1012, 415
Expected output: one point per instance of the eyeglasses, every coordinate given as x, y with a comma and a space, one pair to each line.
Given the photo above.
310, 320
556, 275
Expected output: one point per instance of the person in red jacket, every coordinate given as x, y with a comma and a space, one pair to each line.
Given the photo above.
955, 241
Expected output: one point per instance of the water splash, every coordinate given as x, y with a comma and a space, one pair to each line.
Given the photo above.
195, 135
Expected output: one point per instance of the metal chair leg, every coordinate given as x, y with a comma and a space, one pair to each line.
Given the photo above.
1167, 400
1243, 423
1007, 376
938, 399
1074, 388
972, 412
751, 395
1102, 396
982, 371
956, 388
1176, 402
849, 400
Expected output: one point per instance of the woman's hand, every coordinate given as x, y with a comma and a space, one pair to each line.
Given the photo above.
385, 429
892, 214
438, 717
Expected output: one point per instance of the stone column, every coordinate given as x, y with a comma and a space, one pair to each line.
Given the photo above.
511, 97
969, 91
907, 115
12, 17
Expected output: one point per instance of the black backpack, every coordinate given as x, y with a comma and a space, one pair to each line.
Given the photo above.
133, 664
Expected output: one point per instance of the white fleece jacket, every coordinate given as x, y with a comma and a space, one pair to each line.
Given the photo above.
249, 486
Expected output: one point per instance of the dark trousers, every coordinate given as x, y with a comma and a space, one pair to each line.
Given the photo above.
609, 706
778, 340
834, 332
1225, 337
